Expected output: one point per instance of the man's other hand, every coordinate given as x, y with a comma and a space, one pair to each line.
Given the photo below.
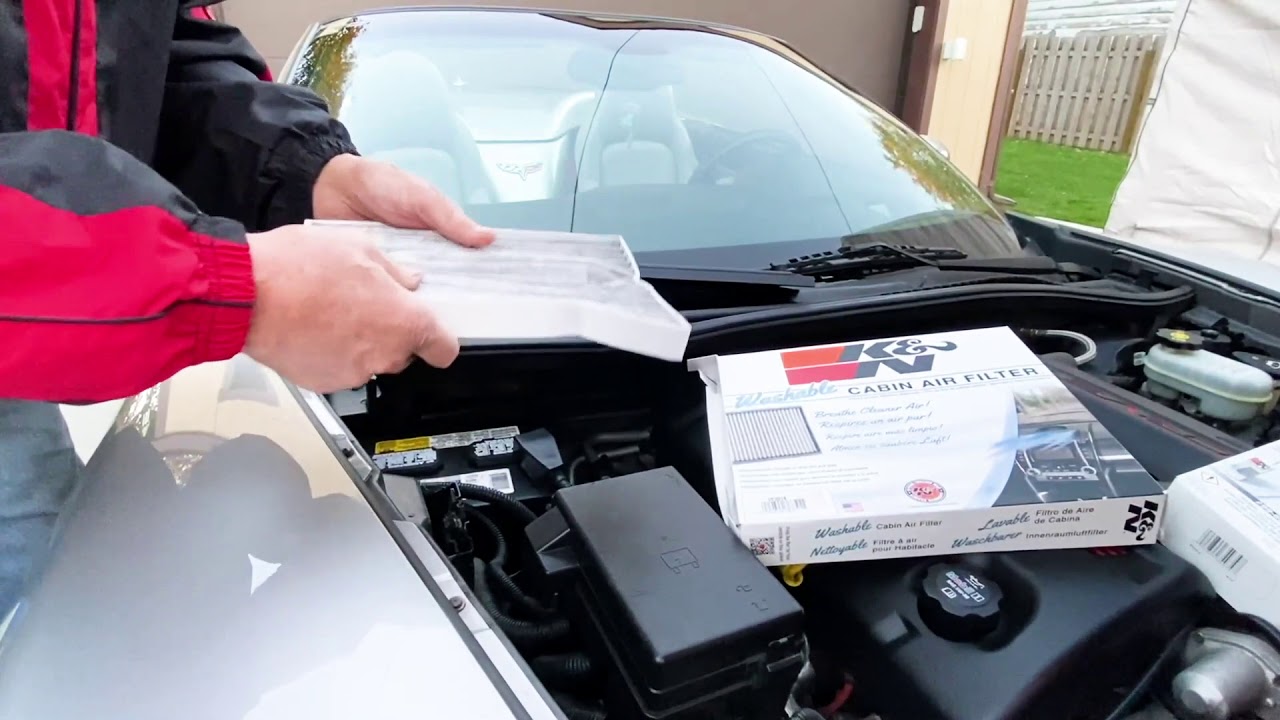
332, 310
355, 188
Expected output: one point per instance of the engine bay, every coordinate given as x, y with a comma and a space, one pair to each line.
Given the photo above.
579, 507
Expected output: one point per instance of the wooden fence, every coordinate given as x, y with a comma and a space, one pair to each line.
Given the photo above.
1086, 91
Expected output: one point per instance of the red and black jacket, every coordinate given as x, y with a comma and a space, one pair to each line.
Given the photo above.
138, 145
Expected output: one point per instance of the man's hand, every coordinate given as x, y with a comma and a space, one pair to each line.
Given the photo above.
355, 188
332, 311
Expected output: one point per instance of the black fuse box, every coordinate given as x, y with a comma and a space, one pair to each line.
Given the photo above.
689, 623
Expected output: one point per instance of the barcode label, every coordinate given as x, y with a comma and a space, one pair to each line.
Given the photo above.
1221, 550
784, 504
463, 439
499, 480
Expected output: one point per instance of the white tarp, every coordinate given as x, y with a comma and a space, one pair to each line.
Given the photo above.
1205, 175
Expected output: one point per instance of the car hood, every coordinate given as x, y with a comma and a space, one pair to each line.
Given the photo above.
1250, 272
220, 550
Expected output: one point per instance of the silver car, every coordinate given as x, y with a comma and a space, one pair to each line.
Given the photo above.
532, 533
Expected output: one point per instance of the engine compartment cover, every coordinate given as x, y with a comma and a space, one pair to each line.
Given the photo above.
1049, 634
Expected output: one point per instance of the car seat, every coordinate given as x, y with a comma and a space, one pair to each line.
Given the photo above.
398, 108
637, 138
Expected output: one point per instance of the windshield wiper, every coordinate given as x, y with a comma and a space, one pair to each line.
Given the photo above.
852, 263
726, 276
700, 288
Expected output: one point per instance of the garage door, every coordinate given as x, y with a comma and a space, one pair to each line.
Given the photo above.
858, 41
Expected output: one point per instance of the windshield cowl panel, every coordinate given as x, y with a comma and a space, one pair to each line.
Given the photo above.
679, 139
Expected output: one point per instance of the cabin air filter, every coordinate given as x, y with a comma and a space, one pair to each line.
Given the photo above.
770, 434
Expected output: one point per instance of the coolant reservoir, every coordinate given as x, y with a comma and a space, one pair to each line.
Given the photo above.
1223, 388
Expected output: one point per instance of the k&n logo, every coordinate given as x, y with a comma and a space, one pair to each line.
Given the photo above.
860, 361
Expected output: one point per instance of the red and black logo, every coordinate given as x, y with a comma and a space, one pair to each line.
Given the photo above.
859, 361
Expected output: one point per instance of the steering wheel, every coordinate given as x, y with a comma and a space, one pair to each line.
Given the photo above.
777, 143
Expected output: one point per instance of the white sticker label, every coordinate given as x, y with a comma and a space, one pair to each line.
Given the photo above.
498, 479
405, 460
463, 439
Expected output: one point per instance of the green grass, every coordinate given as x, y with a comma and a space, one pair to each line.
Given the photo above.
1059, 182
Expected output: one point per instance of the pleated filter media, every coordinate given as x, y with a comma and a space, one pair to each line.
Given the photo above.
769, 434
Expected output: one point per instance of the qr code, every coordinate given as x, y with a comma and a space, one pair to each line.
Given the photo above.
762, 546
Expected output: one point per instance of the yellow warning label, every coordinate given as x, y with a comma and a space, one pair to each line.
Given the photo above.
405, 445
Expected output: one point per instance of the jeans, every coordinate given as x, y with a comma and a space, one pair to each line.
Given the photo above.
39, 469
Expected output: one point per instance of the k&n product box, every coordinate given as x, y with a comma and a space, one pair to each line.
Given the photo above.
917, 445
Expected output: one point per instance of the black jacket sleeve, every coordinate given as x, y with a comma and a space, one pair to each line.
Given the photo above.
238, 146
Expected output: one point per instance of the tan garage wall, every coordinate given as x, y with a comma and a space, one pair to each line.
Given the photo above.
966, 87
858, 41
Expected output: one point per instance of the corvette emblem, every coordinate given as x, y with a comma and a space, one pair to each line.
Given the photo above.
524, 171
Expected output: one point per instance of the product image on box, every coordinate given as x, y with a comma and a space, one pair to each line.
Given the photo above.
916, 445
1258, 480
770, 434
1063, 453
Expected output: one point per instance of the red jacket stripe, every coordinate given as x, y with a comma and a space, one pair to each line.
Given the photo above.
86, 74
50, 25
86, 297
111, 277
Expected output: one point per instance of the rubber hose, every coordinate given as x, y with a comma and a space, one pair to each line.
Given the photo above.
514, 508
567, 671
528, 635
513, 593
573, 468
575, 709
592, 451
1264, 628
499, 540
510, 591
625, 437
1087, 348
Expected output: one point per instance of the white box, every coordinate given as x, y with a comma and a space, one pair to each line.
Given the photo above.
926, 445
1225, 519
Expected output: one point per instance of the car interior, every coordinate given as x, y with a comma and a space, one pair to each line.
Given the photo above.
590, 137
638, 137
421, 131
631, 134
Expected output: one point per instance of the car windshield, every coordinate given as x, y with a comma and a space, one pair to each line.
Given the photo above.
677, 138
